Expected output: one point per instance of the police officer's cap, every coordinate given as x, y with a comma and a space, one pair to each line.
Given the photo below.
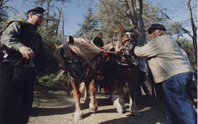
36, 10
155, 27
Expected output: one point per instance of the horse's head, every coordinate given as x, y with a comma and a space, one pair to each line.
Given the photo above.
65, 54
129, 36
128, 40
77, 56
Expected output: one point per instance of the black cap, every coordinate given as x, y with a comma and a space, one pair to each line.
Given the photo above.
154, 27
36, 10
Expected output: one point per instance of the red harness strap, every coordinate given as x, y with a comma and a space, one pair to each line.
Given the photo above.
101, 63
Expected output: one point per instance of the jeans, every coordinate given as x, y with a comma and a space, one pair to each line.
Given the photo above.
179, 108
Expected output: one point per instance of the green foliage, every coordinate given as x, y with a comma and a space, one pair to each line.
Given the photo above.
187, 46
112, 13
89, 25
48, 41
175, 28
49, 82
151, 14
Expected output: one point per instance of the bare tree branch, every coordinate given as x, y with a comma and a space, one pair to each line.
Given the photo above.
184, 30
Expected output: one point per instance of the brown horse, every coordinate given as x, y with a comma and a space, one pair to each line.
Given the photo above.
81, 60
122, 68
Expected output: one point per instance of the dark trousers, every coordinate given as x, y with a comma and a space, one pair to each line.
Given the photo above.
16, 93
141, 82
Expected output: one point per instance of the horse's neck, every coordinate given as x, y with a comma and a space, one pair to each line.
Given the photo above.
87, 53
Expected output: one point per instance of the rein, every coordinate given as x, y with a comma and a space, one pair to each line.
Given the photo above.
126, 40
75, 68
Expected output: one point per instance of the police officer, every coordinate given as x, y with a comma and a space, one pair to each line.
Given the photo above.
23, 54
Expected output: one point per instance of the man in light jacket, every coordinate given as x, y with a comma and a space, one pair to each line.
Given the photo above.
169, 67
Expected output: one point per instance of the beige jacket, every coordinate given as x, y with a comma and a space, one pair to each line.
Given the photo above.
165, 57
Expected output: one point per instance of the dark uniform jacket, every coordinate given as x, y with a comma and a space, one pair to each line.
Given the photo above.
18, 34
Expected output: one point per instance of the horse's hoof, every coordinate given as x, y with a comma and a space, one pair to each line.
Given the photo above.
93, 107
78, 115
93, 110
121, 110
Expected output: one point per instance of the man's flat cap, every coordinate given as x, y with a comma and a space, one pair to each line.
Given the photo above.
155, 27
36, 10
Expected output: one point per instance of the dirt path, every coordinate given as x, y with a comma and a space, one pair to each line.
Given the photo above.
57, 108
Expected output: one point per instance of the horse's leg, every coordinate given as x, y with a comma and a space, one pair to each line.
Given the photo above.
119, 102
110, 86
93, 105
83, 90
112, 97
133, 108
86, 93
112, 93
78, 114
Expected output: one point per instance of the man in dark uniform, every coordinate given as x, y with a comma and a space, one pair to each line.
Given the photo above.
98, 40
23, 54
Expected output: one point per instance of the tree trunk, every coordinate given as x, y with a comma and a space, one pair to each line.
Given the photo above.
59, 17
47, 12
1, 7
132, 17
194, 38
1, 4
63, 32
140, 23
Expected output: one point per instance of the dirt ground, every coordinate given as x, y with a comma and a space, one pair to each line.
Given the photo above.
57, 108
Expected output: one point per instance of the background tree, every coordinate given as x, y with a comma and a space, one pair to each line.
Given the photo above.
4, 12
89, 25
194, 28
187, 46
49, 4
112, 13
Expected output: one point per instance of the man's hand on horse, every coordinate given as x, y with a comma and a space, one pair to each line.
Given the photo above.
26, 52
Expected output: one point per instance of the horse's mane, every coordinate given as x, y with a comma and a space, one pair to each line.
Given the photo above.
85, 50
82, 39
109, 47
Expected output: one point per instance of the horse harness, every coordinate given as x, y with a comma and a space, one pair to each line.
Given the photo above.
78, 70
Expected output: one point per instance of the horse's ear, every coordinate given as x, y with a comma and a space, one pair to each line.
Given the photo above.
56, 46
71, 39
